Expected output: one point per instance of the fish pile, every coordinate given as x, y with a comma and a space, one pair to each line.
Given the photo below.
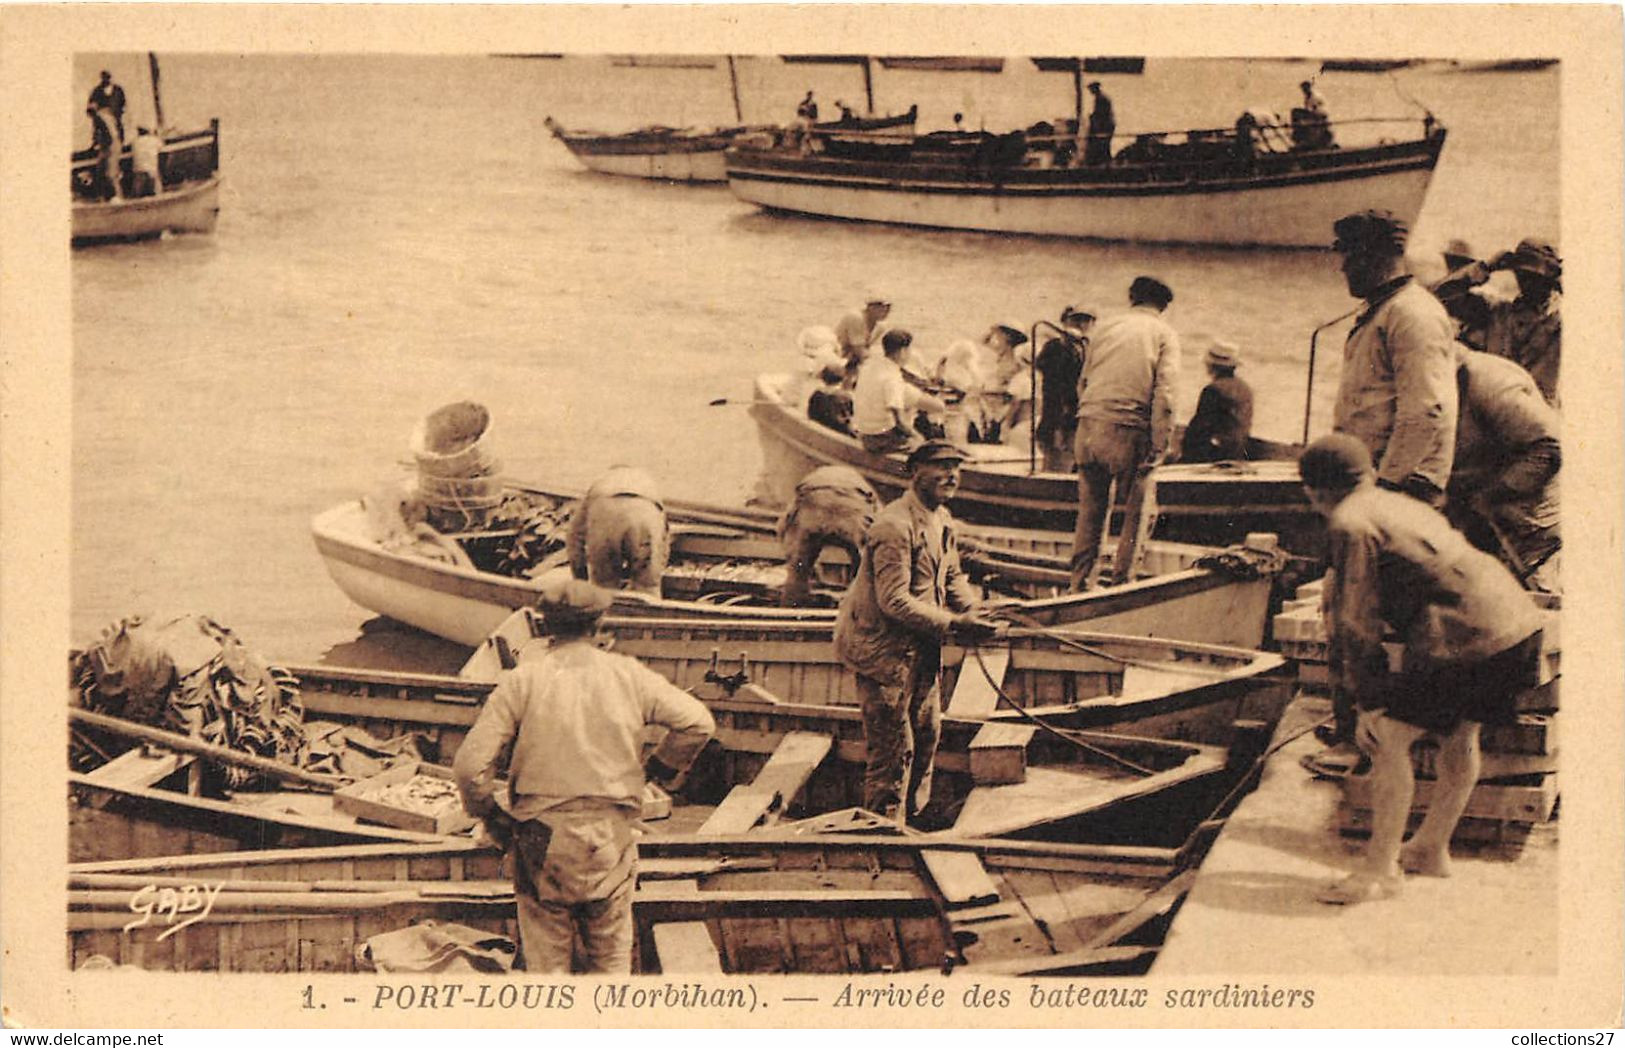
421, 795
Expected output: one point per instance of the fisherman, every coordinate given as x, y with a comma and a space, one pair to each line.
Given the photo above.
857, 331
1503, 490
807, 111
1125, 422
1060, 363
574, 719
1470, 312
619, 537
145, 176
108, 95
909, 595
1007, 393
107, 144
1311, 126
1529, 329
1398, 390
1472, 642
833, 506
1102, 126
884, 404
1223, 421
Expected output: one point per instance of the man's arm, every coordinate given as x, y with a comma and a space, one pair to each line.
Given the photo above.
1354, 619
1422, 445
475, 767
1528, 426
1165, 373
689, 725
959, 591
891, 555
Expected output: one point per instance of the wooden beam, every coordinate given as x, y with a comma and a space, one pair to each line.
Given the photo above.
775, 786
686, 947
187, 744
140, 768
960, 877
974, 698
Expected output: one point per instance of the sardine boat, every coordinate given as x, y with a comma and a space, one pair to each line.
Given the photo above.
1216, 504
1203, 186
729, 565
691, 154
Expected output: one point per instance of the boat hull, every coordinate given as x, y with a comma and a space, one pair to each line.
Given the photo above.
1285, 208
672, 167
190, 208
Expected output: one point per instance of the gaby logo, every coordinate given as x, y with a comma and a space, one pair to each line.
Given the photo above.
167, 905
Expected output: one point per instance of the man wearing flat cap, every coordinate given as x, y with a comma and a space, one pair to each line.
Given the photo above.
910, 595
1125, 422
1471, 643
1223, 421
1060, 364
574, 718
1397, 392
1527, 330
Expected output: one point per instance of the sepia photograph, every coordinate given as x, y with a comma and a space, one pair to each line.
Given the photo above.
596, 516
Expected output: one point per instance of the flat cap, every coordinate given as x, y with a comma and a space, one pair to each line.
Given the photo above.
1537, 257
1334, 461
1150, 289
1370, 230
936, 451
566, 602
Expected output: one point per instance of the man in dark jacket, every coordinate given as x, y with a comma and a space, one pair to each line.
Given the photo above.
1102, 126
1060, 363
1223, 421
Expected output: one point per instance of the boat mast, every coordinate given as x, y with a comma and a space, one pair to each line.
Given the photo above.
868, 85
157, 99
733, 82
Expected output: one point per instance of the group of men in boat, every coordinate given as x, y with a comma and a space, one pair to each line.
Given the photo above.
105, 108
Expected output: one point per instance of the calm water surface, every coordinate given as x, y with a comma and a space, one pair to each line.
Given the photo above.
399, 232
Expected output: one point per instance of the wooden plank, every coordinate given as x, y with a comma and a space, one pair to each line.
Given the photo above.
140, 767
1510, 803
960, 877
1036, 891
686, 947
1052, 794
775, 786
973, 696
998, 753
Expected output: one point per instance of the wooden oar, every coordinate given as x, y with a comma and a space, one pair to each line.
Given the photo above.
187, 744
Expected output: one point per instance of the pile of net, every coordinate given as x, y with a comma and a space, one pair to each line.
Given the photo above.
191, 675
525, 536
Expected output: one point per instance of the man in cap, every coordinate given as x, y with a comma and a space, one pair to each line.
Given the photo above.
619, 537
1471, 643
574, 718
1311, 125
909, 595
1470, 311
1097, 149
1125, 422
857, 331
1528, 330
1503, 483
108, 95
1223, 421
1060, 364
1397, 393
833, 506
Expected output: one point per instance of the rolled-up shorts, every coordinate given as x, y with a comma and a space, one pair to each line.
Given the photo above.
1441, 697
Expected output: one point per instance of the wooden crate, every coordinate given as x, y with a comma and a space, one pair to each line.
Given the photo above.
1529, 804
354, 800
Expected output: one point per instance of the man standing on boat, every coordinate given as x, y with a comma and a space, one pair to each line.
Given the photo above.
619, 537
575, 720
1397, 393
1125, 423
1060, 364
107, 145
109, 95
1102, 126
856, 331
834, 506
909, 595
1472, 642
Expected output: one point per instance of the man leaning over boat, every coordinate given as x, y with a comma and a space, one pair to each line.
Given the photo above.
619, 536
574, 719
910, 595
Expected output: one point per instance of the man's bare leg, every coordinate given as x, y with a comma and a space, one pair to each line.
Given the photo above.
1428, 852
1393, 785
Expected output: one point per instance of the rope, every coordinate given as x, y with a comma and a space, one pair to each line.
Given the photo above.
1058, 733
1061, 637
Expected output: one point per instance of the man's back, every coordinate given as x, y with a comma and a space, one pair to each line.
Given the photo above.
1129, 356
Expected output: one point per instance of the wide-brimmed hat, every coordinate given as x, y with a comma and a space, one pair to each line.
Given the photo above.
572, 603
1333, 462
1458, 253
1374, 230
1083, 310
875, 297
1536, 257
1224, 354
1012, 331
936, 451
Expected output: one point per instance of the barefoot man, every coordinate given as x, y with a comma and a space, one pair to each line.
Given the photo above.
1472, 641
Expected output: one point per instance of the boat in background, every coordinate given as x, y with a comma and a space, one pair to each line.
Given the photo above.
1184, 187
187, 200
943, 63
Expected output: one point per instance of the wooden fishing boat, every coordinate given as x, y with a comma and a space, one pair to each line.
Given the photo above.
1214, 505
187, 199
737, 572
691, 154
1199, 186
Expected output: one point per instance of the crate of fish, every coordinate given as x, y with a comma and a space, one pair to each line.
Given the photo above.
412, 796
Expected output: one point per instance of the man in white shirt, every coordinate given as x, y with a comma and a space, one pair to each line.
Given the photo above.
883, 404
575, 719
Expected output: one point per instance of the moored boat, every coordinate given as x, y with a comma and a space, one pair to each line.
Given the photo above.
1200, 186
736, 570
1217, 504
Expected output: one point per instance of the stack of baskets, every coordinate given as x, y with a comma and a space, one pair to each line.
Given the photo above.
459, 480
